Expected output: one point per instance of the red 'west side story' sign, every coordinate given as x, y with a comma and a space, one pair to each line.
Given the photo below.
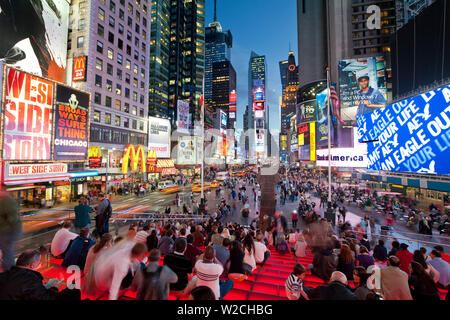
27, 132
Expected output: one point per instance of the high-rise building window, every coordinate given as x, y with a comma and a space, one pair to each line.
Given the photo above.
98, 80
127, 78
119, 74
127, 92
109, 69
108, 101
117, 122
108, 85
126, 122
120, 44
96, 116
134, 125
141, 99
98, 98
121, 14
101, 14
98, 64
128, 50
134, 110
136, 69
118, 89
130, 9
141, 112
111, 37
129, 37
112, 22
120, 29
119, 58
81, 24
137, 28
80, 42
135, 82
112, 6
135, 95
110, 53
100, 30
130, 22
118, 105
141, 125
128, 64
126, 107
107, 118
99, 46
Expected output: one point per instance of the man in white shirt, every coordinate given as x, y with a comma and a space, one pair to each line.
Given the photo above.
111, 268
261, 251
61, 240
209, 270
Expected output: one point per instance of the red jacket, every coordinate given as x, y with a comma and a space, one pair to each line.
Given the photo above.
405, 259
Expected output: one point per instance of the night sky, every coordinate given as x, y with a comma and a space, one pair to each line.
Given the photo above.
266, 27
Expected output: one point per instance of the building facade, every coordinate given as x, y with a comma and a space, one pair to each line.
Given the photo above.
114, 36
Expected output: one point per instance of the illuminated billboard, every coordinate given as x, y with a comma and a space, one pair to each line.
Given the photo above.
34, 36
362, 87
183, 117
306, 111
79, 69
159, 131
28, 116
410, 136
259, 96
189, 150
71, 124
43, 120
355, 157
322, 119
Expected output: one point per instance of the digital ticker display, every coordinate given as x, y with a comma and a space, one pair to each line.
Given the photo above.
410, 136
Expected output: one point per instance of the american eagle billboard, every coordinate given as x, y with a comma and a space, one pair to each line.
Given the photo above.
410, 136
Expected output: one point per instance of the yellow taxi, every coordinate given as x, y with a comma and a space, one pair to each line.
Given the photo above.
214, 184
171, 189
197, 187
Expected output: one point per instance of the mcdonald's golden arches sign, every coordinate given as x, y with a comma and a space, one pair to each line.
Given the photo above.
79, 69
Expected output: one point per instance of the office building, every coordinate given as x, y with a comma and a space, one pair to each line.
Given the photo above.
159, 59
114, 38
223, 85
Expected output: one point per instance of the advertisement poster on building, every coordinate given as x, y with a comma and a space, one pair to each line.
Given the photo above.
34, 36
71, 124
362, 85
303, 141
183, 117
28, 110
410, 136
322, 119
79, 69
189, 150
306, 111
159, 137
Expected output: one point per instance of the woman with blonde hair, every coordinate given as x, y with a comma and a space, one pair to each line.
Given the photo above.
300, 247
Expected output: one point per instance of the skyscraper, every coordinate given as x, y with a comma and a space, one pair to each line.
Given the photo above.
288, 107
258, 113
159, 59
114, 36
177, 47
186, 55
283, 71
408, 9
223, 84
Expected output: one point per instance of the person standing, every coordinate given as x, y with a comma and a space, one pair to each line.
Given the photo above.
10, 229
82, 218
103, 213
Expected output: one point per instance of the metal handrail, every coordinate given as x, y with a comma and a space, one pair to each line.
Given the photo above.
405, 239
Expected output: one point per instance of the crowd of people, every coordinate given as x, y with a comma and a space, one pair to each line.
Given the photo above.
203, 259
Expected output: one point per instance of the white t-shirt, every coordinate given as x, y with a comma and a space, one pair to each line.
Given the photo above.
208, 275
250, 259
61, 241
260, 249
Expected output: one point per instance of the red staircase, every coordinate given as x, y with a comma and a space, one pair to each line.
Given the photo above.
265, 283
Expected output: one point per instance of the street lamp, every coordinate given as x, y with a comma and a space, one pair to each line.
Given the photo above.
330, 214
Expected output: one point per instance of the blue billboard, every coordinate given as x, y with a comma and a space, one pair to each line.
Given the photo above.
410, 136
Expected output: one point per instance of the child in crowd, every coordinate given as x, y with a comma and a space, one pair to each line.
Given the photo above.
294, 284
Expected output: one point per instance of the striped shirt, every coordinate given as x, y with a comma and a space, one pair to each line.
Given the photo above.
141, 236
293, 286
208, 275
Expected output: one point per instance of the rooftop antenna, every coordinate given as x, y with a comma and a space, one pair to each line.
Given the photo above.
215, 10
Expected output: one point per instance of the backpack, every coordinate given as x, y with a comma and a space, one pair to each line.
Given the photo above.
151, 287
